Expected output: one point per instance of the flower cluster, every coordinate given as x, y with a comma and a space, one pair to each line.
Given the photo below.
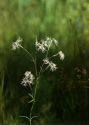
61, 55
16, 44
41, 46
44, 44
28, 79
50, 64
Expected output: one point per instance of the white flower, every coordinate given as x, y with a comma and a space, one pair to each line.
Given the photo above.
61, 55
16, 44
49, 41
44, 44
46, 61
55, 41
28, 79
40, 46
50, 64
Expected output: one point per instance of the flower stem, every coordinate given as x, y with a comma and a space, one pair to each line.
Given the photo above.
27, 52
33, 59
33, 103
41, 69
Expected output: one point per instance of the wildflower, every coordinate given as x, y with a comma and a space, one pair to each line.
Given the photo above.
16, 44
40, 46
28, 79
44, 44
55, 41
61, 55
50, 64
49, 41
46, 61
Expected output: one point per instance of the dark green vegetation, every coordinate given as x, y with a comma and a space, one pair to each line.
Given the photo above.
63, 96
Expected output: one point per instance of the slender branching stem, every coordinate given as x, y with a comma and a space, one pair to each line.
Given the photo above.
35, 90
41, 68
33, 59
34, 99
28, 53
53, 56
45, 69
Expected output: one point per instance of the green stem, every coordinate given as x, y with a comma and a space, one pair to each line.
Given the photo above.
53, 56
35, 64
41, 69
28, 53
33, 103
33, 59
34, 94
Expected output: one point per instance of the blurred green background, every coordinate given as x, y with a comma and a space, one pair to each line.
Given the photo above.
63, 96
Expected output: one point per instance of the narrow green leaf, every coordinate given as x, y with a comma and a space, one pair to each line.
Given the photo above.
24, 117
30, 95
34, 117
31, 101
